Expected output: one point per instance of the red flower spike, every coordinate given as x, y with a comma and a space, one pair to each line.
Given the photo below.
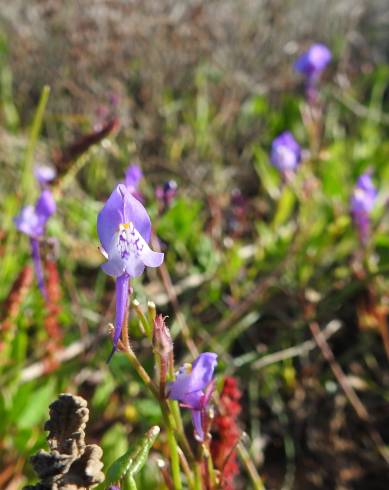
227, 433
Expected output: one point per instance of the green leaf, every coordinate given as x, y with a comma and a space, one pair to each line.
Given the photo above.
268, 175
36, 406
134, 459
27, 180
284, 206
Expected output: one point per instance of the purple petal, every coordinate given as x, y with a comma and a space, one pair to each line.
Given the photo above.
364, 195
129, 252
110, 217
45, 206
132, 177
27, 222
192, 382
313, 61
44, 174
114, 267
194, 400
285, 152
120, 208
151, 258
134, 266
134, 211
32, 220
364, 182
35, 252
202, 371
197, 420
178, 388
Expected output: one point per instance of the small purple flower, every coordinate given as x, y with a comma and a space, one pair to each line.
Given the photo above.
124, 230
193, 387
166, 193
32, 221
311, 64
313, 61
132, 178
361, 204
44, 174
285, 152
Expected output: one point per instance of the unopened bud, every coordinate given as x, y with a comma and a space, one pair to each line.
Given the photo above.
162, 340
163, 351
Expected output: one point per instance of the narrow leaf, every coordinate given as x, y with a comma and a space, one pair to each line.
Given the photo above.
134, 459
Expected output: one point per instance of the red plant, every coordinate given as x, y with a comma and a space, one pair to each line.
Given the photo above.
52, 305
227, 433
15, 298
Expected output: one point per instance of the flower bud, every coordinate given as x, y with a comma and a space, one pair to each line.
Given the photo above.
163, 351
162, 340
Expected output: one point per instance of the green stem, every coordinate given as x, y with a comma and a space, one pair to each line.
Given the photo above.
174, 458
198, 484
250, 467
141, 372
132, 484
167, 415
211, 470
148, 328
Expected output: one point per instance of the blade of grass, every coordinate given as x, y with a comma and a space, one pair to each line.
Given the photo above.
27, 180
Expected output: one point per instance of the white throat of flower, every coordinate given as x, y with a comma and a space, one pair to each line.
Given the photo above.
129, 241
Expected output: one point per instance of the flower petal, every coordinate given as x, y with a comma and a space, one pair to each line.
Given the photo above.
44, 173
134, 211
114, 267
134, 266
109, 218
193, 382
151, 258
35, 252
27, 222
120, 208
313, 61
198, 423
45, 206
177, 389
132, 177
202, 371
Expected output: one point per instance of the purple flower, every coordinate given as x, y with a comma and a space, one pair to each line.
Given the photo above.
44, 174
132, 177
124, 230
361, 204
193, 387
313, 61
166, 193
285, 152
32, 221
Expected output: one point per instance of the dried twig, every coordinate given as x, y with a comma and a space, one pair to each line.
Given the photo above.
347, 388
297, 350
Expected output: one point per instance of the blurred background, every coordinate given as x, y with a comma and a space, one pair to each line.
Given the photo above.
195, 92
